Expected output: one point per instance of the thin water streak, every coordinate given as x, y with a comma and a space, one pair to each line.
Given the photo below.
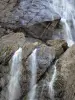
13, 86
67, 12
33, 67
68, 36
51, 83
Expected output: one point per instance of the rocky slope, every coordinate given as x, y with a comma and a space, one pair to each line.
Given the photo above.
23, 12
49, 54
66, 70
45, 56
34, 24
23, 15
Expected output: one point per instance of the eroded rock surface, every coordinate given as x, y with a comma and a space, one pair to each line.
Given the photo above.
58, 48
18, 13
45, 29
8, 45
66, 76
45, 58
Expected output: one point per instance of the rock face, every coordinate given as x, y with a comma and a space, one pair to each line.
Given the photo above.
8, 45
29, 16
45, 30
19, 21
45, 56
11, 42
66, 75
15, 14
62, 45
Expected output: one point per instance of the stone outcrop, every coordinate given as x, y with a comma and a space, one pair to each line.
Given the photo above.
45, 30
65, 83
15, 14
11, 42
34, 24
28, 16
8, 45
62, 45
45, 56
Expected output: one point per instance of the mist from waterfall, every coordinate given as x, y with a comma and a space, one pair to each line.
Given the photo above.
65, 8
33, 67
16, 67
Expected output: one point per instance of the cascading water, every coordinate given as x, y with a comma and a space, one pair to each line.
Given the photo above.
67, 13
33, 67
66, 10
68, 36
13, 87
51, 83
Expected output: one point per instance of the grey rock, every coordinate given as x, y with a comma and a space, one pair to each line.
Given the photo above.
45, 57
65, 84
8, 45
15, 14
43, 30
59, 45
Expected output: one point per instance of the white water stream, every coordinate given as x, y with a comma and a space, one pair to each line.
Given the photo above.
33, 67
51, 83
66, 10
13, 86
67, 36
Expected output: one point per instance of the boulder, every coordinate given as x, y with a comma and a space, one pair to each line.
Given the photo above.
60, 46
46, 56
43, 30
65, 83
15, 14
43, 90
8, 45
11, 42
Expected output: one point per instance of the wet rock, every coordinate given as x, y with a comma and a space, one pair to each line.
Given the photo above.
45, 29
45, 57
42, 89
59, 45
15, 14
28, 49
4, 73
66, 81
9, 44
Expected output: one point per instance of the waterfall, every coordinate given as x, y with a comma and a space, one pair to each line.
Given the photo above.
13, 86
51, 83
65, 8
68, 36
33, 67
